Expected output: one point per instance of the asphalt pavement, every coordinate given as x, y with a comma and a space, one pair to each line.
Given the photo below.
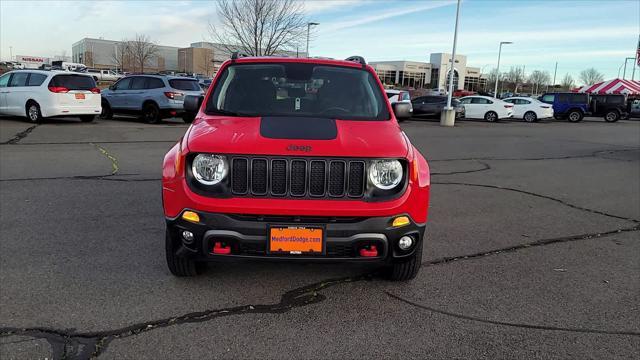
532, 252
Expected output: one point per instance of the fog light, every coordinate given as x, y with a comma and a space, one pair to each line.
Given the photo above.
191, 216
400, 221
405, 242
187, 236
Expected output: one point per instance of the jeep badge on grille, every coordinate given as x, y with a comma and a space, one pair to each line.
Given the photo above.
293, 147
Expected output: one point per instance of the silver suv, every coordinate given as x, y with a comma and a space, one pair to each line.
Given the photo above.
152, 97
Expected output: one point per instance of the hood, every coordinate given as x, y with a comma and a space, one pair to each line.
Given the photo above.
327, 137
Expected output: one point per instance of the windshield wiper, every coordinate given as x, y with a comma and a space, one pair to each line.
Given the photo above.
231, 113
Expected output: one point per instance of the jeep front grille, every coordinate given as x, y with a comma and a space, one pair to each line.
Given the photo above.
297, 177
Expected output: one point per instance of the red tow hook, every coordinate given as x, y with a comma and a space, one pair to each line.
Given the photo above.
219, 249
372, 251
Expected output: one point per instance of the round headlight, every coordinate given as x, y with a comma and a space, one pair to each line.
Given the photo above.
385, 174
209, 169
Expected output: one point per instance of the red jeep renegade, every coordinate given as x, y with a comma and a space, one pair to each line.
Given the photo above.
295, 159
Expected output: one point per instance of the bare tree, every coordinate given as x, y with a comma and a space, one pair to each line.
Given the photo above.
515, 77
567, 82
259, 27
492, 77
142, 50
539, 79
591, 76
121, 55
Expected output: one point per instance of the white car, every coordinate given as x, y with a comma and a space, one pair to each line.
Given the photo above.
395, 96
485, 107
39, 94
529, 109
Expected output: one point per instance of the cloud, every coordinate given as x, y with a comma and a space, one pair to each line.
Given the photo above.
319, 6
382, 14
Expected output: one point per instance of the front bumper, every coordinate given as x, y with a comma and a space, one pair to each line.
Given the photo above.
247, 235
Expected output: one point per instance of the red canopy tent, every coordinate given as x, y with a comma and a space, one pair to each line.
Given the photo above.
615, 86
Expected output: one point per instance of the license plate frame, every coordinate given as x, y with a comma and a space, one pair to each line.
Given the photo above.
80, 97
295, 247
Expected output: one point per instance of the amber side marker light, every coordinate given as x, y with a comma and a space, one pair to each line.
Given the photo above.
191, 216
400, 221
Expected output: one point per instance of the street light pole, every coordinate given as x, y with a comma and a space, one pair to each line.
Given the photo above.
620, 69
448, 115
624, 73
495, 92
309, 25
555, 71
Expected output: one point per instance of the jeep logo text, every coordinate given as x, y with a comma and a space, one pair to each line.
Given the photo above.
305, 148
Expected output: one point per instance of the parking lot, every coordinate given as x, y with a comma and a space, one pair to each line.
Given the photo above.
531, 252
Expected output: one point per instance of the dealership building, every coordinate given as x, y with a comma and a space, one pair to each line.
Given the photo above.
432, 75
199, 58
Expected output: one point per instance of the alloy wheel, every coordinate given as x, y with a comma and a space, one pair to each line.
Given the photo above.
33, 113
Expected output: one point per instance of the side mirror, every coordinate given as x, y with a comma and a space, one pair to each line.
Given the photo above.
112, 87
402, 110
192, 103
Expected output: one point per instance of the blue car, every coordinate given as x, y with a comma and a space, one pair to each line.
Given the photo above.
152, 97
567, 105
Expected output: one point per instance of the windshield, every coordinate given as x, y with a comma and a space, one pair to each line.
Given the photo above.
295, 89
183, 84
73, 82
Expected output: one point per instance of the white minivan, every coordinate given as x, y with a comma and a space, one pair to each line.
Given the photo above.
38, 94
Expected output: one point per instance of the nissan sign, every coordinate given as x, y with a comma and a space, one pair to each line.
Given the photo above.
32, 59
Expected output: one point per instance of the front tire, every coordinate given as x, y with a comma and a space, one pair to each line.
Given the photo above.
530, 117
491, 116
612, 116
407, 269
181, 266
151, 113
33, 112
106, 112
575, 116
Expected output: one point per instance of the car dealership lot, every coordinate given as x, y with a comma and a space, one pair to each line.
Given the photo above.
532, 252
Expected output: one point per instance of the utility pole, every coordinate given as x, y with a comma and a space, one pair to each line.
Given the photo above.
448, 115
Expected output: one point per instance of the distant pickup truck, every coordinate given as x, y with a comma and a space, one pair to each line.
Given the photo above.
103, 75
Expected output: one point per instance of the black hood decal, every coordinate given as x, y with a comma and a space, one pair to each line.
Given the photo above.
302, 128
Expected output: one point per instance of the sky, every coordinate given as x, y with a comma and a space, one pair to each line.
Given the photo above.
576, 34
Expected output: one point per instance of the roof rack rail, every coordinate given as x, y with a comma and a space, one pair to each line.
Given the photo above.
359, 59
236, 55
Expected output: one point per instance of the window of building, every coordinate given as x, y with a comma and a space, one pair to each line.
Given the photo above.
456, 77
